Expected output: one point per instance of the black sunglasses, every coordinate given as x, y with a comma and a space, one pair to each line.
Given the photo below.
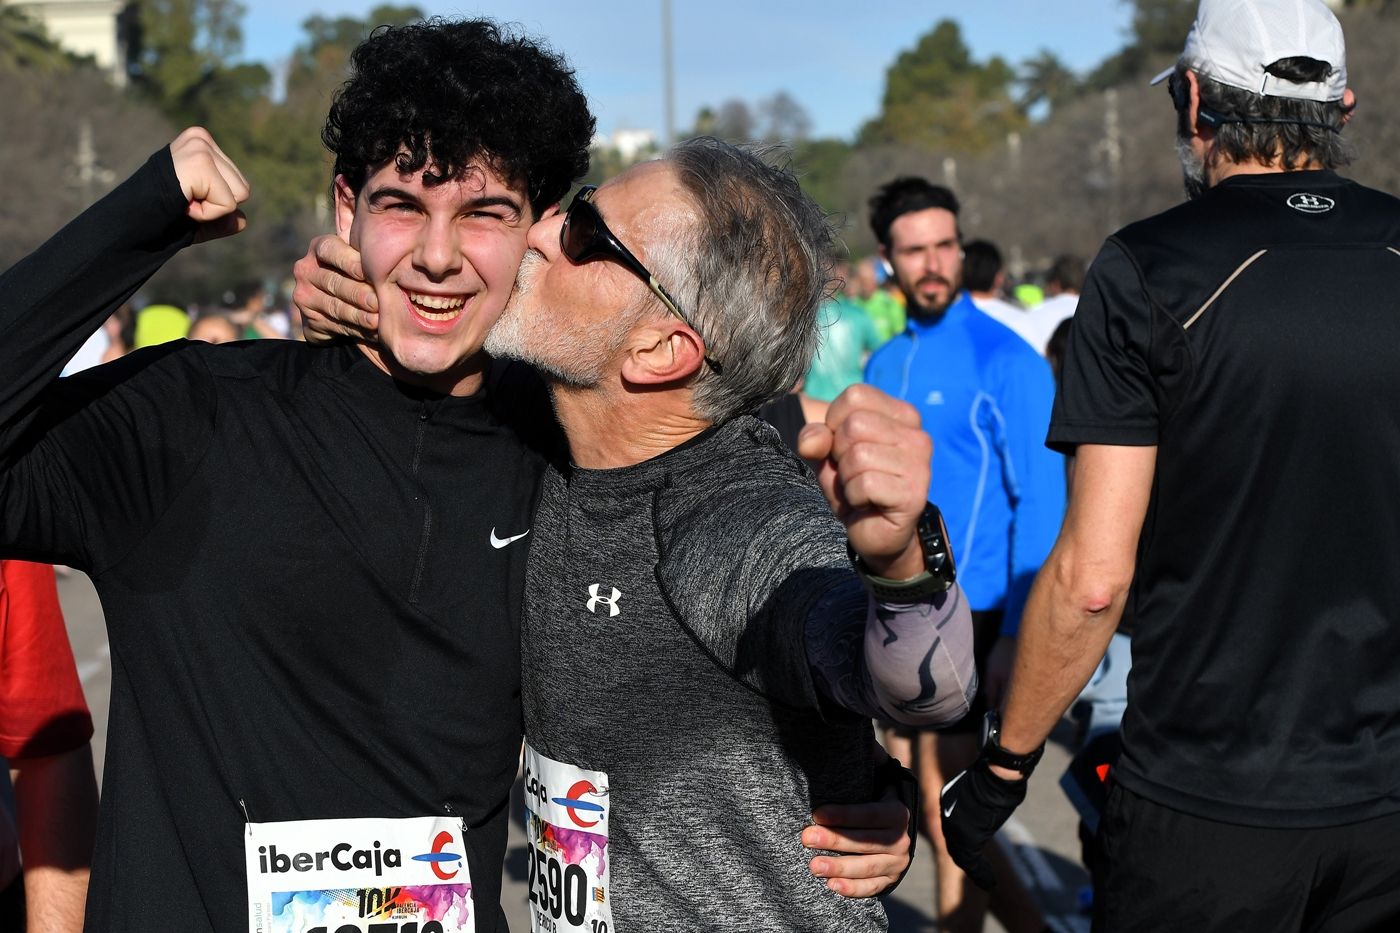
584, 237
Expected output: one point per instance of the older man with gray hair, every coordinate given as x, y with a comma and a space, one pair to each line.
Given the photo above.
699, 654
1235, 492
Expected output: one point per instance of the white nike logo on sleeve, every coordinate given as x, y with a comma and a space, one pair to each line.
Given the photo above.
499, 543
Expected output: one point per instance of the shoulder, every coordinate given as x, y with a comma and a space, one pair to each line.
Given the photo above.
753, 481
896, 348
994, 340
250, 359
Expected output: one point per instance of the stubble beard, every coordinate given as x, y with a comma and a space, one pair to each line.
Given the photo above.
915, 307
523, 332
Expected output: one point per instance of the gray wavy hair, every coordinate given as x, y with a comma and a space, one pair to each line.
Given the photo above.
750, 274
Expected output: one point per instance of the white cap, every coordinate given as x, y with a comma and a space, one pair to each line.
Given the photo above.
1233, 41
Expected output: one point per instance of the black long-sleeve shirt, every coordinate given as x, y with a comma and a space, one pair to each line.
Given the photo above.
308, 614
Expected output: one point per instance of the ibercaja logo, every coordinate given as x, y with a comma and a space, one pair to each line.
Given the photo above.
439, 857
574, 803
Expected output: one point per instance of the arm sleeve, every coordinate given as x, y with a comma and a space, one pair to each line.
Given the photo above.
1107, 394
42, 710
1033, 475
87, 462
907, 663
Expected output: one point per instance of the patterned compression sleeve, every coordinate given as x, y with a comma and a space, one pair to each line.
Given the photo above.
911, 663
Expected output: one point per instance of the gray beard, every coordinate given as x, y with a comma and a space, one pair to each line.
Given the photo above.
561, 357
1193, 170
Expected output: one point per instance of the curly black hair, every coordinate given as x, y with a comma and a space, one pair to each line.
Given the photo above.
445, 93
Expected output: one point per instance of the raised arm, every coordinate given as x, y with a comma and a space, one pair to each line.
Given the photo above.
59, 295
912, 661
85, 461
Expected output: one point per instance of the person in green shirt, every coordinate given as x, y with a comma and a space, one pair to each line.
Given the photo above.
846, 336
882, 307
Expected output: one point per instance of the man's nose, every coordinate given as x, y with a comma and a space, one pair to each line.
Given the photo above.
438, 255
543, 235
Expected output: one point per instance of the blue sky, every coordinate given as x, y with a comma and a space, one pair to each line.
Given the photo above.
830, 56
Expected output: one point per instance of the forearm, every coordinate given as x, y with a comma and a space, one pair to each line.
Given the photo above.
911, 663
55, 298
56, 806
1063, 637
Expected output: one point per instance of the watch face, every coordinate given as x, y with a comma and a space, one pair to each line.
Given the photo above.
933, 537
991, 725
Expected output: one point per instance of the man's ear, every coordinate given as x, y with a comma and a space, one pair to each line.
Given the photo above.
1193, 102
344, 208
1348, 105
656, 354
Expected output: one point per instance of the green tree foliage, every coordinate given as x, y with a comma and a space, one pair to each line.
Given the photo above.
1158, 32
1160, 26
25, 46
822, 169
776, 119
179, 47
1046, 81
937, 97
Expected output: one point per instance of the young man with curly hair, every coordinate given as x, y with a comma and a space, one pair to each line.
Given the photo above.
314, 648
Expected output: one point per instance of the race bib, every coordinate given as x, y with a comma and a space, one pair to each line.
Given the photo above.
358, 876
566, 825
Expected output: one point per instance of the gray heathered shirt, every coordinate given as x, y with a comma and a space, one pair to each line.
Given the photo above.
696, 697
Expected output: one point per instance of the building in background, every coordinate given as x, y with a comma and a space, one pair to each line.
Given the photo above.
92, 28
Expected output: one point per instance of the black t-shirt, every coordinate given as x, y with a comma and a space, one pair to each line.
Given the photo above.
1253, 336
309, 612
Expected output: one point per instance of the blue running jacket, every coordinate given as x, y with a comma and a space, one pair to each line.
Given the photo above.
984, 396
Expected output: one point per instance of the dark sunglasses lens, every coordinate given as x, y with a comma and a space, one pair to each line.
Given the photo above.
580, 235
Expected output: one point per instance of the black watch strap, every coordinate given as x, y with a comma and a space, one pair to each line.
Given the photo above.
995, 754
939, 572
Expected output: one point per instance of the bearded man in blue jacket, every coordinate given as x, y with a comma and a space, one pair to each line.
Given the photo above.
984, 396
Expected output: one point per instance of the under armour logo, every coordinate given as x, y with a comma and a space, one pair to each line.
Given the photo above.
611, 601
1311, 203
934, 398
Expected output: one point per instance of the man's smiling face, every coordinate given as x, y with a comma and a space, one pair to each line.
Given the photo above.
442, 259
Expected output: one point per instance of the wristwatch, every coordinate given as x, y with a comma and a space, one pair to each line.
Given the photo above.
939, 572
996, 755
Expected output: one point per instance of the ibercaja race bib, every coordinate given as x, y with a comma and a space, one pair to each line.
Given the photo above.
566, 826
358, 876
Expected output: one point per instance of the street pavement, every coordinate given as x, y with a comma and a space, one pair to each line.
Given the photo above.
1042, 837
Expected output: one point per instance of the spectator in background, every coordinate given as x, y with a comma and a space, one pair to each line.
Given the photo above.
157, 324
215, 328
985, 280
44, 734
246, 305
109, 343
846, 336
882, 305
1062, 286
984, 397
1055, 349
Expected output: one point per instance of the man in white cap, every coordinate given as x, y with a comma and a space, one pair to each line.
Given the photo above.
1229, 393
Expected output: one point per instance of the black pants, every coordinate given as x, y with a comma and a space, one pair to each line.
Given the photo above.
1167, 870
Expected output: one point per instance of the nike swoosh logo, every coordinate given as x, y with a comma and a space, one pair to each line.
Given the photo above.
499, 543
948, 811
